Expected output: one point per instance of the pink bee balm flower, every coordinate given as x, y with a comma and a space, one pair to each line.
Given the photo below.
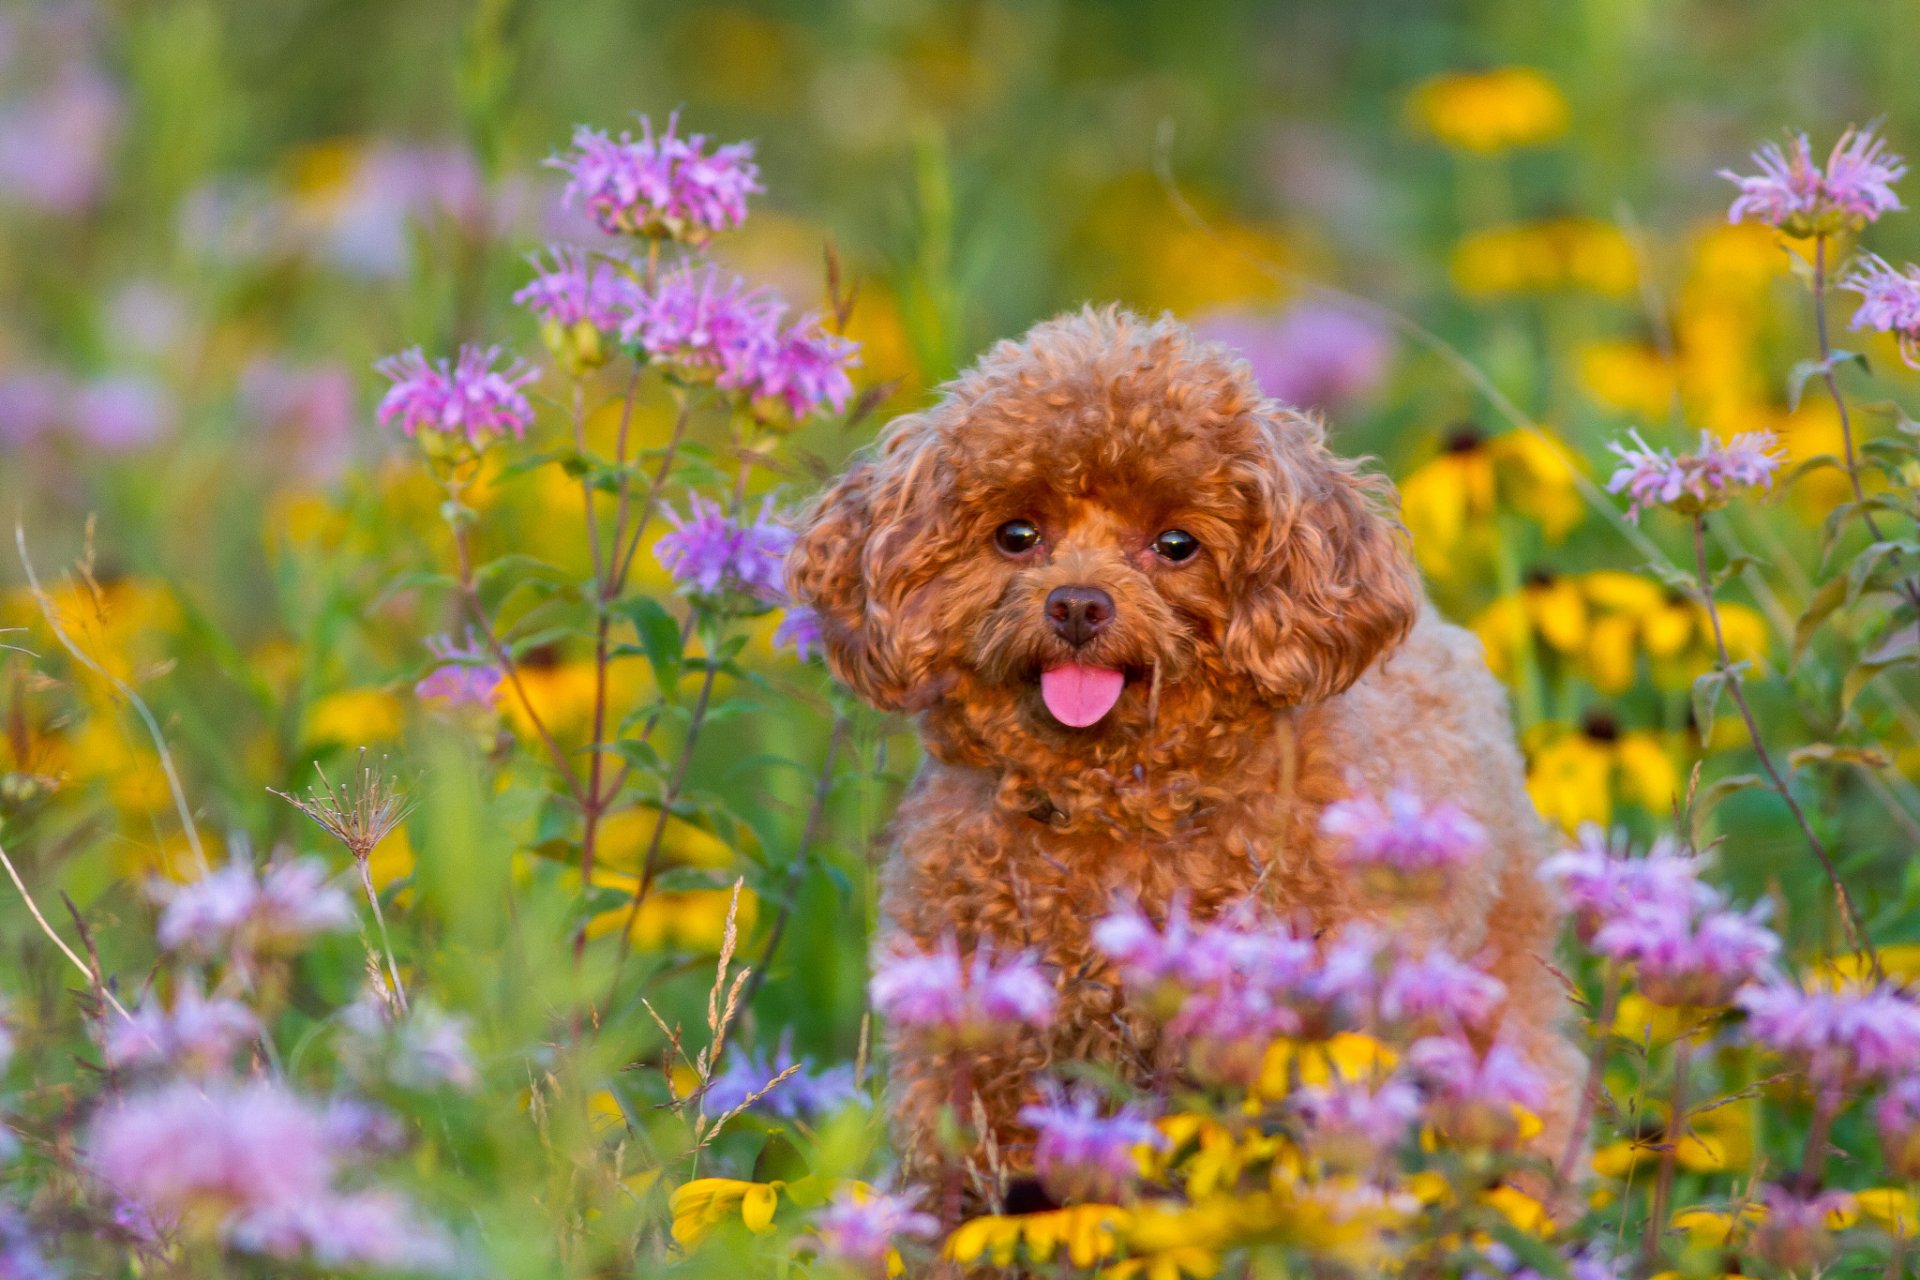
1353, 1126
799, 369
659, 185
467, 677
1795, 1233
966, 1004
1683, 955
197, 1035
708, 327
1403, 846
234, 912
1792, 194
710, 553
859, 1228
467, 399
1898, 1118
1598, 884
1698, 482
1841, 1039
1477, 1100
358, 1229
1437, 993
799, 631
1082, 1155
577, 287
1313, 355
1889, 302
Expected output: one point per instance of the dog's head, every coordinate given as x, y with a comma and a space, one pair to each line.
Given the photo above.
1095, 518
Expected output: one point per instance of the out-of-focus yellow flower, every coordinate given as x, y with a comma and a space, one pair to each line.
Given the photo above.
1576, 774
1090, 1233
622, 841
1631, 377
103, 749
1717, 1228
121, 624
1210, 1156
1716, 1141
1900, 961
700, 1206
1554, 255
1346, 1058
692, 920
1172, 1264
1488, 111
1807, 432
391, 860
354, 718
1635, 617
1449, 502
562, 692
1522, 1210
1890, 1207
1547, 612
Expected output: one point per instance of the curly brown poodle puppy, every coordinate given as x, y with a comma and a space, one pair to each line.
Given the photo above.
1151, 627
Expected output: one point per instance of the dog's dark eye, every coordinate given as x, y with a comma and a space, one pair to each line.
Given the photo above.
1176, 545
1016, 536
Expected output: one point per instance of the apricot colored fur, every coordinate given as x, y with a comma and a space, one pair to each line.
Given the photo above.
1294, 657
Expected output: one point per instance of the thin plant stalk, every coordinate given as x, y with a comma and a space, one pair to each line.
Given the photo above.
1849, 917
33, 908
809, 832
1669, 1153
1590, 1091
386, 943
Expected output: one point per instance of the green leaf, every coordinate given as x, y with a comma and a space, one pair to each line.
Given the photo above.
639, 754
1706, 700
659, 634
1807, 466
1828, 598
1868, 757
1869, 561
1797, 377
1720, 788
497, 579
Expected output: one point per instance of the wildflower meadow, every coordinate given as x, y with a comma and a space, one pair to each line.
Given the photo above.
435, 845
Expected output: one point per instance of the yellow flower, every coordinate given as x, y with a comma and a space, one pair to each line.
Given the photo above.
1900, 961
354, 718
1548, 612
1089, 1232
705, 1203
1348, 1057
1575, 775
1630, 377
1489, 111
672, 919
1635, 616
1449, 503
1522, 1210
1172, 1264
1552, 255
1716, 1140
1890, 1207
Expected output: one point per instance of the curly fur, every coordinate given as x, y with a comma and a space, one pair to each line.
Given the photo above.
1293, 658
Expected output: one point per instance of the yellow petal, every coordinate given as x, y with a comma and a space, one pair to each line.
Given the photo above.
757, 1206
1611, 653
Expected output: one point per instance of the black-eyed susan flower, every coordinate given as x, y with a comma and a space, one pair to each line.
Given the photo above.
700, 1206
1548, 612
1630, 377
1577, 774
1488, 111
1449, 502
1630, 617
1552, 255
1089, 1234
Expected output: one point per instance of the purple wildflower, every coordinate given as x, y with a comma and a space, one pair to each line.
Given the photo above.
711, 554
1693, 483
56, 147
859, 1226
467, 398
424, 1049
1353, 1125
810, 1091
580, 288
1898, 1118
467, 677
1687, 954
710, 328
1403, 846
197, 1035
1841, 1039
235, 912
373, 1229
1598, 883
1082, 1155
798, 369
1795, 1233
1889, 302
799, 631
311, 409
1312, 355
1437, 993
972, 1003
1473, 1099
122, 412
21, 1257
659, 184
1792, 194
32, 405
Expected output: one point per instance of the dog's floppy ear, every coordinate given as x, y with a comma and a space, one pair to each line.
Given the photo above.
1324, 584
860, 563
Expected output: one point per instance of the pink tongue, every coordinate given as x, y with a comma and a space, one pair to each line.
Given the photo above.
1078, 696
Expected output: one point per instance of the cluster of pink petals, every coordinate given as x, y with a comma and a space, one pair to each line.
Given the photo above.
1842, 1038
466, 398
1436, 993
659, 184
800, 631
859, 1227
1598, 882
1472, 1096
980, 1000
197, 1036
1697, 482
710, 553
258, 1164
467, 676
1352, 1125
1889, 302
1792, 193
1898, 1119
1083, 1155
245, 914
1794, 1231
577, 287
710, 327
1402, 844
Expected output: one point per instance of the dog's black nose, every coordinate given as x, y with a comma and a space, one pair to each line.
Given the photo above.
1079, 613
